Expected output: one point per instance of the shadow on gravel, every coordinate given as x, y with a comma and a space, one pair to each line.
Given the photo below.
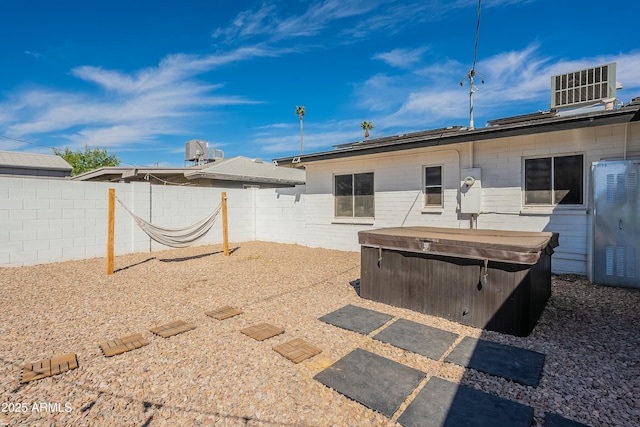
187, 258
588, 333
134, 265
578, 365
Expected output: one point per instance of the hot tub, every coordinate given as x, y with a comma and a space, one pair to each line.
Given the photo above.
490, 279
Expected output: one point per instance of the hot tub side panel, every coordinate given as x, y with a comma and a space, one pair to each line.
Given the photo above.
540, 287
511, 301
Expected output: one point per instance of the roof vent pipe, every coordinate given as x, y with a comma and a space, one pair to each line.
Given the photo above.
609, 103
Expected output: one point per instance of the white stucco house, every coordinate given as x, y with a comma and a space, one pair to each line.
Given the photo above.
530, 173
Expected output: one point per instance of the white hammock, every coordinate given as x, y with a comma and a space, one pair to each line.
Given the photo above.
176, 237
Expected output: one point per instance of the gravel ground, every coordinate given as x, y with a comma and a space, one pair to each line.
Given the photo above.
215, 375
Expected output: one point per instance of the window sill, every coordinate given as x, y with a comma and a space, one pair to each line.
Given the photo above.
433, 210
358, 221
553, 210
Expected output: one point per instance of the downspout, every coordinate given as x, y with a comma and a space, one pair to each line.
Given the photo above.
626, 137
472, 221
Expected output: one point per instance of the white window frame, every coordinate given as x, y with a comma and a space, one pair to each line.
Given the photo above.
353, 218
425, 206
554, 204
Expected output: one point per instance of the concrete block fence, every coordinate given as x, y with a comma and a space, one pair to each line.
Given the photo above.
51, 220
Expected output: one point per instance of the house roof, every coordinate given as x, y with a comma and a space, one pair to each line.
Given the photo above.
234, 169
33, 161
500, 128
245, 169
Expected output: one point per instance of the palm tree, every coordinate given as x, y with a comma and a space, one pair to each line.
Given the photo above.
300, 113
367, 126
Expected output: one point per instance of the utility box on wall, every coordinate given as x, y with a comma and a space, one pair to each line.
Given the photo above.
616, 222
470, 190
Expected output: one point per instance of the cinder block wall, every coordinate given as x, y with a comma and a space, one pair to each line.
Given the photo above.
51, 220
46, 220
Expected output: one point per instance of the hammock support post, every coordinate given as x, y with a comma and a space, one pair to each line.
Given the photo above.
111, 230
225, 230
172, 237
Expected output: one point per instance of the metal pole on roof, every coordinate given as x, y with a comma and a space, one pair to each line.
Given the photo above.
471, 74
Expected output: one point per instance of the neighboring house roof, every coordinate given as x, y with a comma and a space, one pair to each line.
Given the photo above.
12, 159
501, 128
233, 169
252, 170
116, 173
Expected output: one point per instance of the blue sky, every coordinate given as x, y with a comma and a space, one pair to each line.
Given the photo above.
142, 77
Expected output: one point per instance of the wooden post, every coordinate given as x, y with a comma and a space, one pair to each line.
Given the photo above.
225, 230
111, 229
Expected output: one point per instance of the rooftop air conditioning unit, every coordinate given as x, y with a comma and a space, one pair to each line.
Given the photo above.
196, 150
216, 154
588, 86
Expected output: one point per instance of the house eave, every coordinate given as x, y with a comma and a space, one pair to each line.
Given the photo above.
126, 173
408, 142
43, 168
242, 178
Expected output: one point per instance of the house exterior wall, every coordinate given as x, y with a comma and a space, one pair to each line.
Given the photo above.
398, 189
398, 195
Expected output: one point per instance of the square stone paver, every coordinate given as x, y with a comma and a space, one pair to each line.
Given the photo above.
173, 328
297, 350
122, 345
375, 381
262, 331
513, 363
443, 403
418, 338
357, 319
224, 312
48, 367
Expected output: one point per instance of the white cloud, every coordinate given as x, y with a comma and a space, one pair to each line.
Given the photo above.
266, 20
34, 54
401, 58
172, 69
128, 107
313, 139
114, 136
516, 82
166, 99
396, 16
278, 126
437, 105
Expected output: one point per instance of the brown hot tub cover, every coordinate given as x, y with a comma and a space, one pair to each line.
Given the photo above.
518, 247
